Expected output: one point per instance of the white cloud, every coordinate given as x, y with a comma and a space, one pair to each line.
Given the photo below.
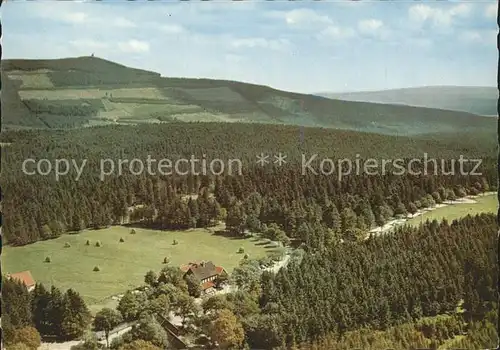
231, 58
491, 11
73, 13
172, 28
134, 46
335, 33
460, 10
374, 28
423, 43
73, 17
305, 16
123, 22
88, 44
77, 13
487, 37
369, 25
273, 44
301, 18
438, 16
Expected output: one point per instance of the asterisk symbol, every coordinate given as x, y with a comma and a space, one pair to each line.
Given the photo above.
262, 159
280, 159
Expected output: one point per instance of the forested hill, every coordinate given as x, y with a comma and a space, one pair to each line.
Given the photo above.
472, 99
84, 91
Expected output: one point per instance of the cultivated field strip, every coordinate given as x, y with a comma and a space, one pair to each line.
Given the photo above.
61, 94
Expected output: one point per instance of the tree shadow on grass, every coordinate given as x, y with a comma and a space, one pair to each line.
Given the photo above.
277, 250
144, 225
272, 246
228, 234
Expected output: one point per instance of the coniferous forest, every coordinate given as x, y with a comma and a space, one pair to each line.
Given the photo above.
342, 289
41, 207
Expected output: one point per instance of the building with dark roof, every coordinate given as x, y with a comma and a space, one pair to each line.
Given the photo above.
205, 272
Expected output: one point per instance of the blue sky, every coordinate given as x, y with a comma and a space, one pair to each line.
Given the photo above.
297, 46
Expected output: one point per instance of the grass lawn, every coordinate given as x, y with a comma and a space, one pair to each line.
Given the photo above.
485, 204
123, 265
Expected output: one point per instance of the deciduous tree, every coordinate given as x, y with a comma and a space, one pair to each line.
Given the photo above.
105, 320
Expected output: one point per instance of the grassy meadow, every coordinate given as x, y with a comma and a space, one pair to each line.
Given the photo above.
484, 204
122, 264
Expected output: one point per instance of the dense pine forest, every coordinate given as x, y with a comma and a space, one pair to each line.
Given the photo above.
39, 207
387, 281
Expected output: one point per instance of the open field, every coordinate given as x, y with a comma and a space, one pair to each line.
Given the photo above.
30, 80
141, 110
123, 265
224, 94
483, 204
62, 94
203, 117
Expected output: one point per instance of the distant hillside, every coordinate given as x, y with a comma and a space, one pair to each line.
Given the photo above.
86, 91
477, 100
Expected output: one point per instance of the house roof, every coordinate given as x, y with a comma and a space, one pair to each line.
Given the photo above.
207, 285
25, 277
219, 269
202, 270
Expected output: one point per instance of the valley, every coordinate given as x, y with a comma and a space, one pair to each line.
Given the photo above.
274, 258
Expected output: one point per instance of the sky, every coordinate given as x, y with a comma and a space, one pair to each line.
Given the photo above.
327, 46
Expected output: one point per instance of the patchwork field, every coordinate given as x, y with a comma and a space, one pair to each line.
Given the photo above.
122, 265
30, 80
62, 94
483, 204
203, 117
223, 94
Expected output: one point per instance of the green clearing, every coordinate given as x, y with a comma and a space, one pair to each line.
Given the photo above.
123, 265
484, 204
30, 80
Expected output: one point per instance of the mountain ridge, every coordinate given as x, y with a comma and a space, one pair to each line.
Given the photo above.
480, 100
86, 91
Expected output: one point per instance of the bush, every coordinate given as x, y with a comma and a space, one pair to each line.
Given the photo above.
166, 260
98, 243
174, 242
97, 268
246, 256
67, 245
132, 232
19, 346
88, 242
47, 259
241, 250
122, 240
140, 344
25, 338
450, 195
412, 208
